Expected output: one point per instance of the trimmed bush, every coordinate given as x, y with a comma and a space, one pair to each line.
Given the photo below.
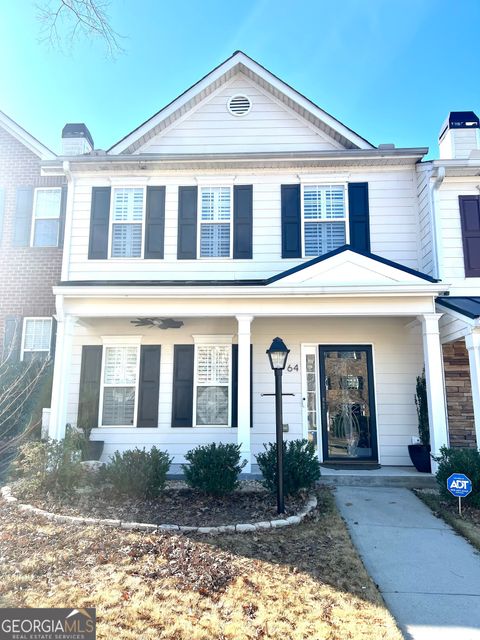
301, 468
465, 461
51, 466
137, 472
214, 468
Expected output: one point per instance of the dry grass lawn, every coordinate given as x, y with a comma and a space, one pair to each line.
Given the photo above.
304, 582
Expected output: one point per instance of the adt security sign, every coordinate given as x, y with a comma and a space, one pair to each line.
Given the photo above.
459, 485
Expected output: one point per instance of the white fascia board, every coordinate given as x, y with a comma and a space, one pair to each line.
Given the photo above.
25, 138
239, 59
472, 322
184, 292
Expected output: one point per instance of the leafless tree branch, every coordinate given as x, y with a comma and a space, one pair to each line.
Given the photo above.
64, 21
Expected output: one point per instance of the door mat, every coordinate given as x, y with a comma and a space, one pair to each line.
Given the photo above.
351, 466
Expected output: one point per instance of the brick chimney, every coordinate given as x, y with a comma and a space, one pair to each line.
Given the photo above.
459, 135
76, 139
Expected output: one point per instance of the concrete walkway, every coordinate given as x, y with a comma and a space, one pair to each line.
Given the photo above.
429, 576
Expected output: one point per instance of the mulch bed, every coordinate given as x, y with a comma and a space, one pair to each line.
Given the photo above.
176, 505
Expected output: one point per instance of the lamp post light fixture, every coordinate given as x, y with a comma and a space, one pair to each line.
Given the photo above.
278, 354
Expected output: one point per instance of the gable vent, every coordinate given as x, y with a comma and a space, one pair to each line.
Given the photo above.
239, 105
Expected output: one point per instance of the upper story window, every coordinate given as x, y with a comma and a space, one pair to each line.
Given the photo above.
128, 205
212, 384
215, 222
36, 338
470, 223
119, 388
46, 217
324, 218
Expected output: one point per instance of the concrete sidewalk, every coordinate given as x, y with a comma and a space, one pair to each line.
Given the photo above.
429, 576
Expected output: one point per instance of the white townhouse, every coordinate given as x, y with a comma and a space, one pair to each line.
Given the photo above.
240, 212
449, 196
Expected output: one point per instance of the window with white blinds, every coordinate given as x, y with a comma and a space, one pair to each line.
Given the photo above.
46, 217
127, 222
324, 218
215, 222
120, 371
212, 384
37, 336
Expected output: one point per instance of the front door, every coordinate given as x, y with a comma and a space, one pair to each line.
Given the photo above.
347, 403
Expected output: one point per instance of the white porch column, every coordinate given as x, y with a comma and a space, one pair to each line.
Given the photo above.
243, 430
472, 342
437, 413
61, 376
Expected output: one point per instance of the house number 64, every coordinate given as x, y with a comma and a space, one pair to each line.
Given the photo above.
292, 367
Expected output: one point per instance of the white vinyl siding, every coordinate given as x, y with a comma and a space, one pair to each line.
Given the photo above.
324, 219
46, 217
212, 384
215, 222
36, 337
120, 375
127, 222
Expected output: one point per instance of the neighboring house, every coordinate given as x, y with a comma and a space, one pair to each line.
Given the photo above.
31, 237
238, 213
450, 212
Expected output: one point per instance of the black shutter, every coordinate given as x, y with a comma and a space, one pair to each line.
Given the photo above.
23, 217
359, 219
291, 221
99, 222
148, 388
155, 222
182, 401
187, 223
12, 338
242, 221
53, 339
61, 222
235, 385
470, 221
2, 211
89, 394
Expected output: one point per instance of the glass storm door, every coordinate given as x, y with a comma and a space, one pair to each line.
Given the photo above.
348, 405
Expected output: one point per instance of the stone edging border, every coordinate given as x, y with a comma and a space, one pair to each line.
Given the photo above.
119, 524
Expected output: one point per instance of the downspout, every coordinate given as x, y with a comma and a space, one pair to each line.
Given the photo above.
67, 236
437, 249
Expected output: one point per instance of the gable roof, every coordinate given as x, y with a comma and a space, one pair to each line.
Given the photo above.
25, 138
467, 306
239, 62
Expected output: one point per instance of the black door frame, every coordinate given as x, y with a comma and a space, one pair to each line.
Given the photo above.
322, 349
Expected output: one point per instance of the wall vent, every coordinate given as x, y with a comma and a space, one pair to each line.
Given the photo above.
239, 105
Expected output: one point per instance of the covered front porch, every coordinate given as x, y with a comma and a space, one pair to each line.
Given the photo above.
367, 348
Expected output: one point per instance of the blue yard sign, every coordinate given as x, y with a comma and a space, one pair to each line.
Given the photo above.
459, 486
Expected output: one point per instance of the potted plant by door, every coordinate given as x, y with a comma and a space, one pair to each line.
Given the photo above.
420, 453
91, 449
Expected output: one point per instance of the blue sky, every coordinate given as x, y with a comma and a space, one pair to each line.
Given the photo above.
389, 70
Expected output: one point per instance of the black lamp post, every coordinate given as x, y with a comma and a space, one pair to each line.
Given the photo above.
278, 354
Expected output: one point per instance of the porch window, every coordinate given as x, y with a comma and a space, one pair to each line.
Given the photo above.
324, 219
120, 375
46, 217
212, 384
36, 338
215, 222
127, 222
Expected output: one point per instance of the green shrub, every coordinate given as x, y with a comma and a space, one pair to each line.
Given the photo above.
301, 468
214, 468
51, 466
137, 472
465, 461
421, 403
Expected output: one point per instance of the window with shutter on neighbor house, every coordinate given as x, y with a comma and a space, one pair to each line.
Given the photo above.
324, 218
212, 384
215, 222
36, 338
128, 210
119, 387
46, 217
